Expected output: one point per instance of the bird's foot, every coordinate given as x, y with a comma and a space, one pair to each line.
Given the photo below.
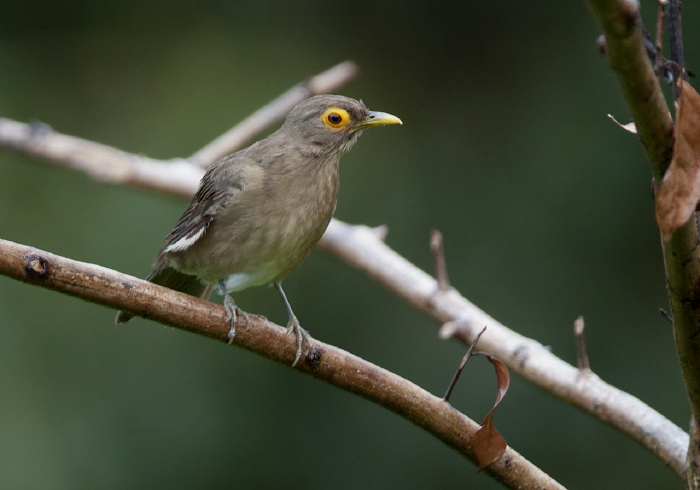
302, 335
232, 316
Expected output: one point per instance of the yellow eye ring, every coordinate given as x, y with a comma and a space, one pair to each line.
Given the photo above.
335, 118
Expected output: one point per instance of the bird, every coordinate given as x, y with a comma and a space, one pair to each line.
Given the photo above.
258, 212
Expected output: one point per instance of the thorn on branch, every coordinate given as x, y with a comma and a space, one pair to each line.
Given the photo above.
581, 353
666, 315
436, 245
381, 232
600, 43
460, 329
449, 330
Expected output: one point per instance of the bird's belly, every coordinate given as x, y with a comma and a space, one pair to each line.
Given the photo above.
248, 255
257, 240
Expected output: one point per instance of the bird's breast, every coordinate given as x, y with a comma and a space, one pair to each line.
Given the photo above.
300, 210
268, 229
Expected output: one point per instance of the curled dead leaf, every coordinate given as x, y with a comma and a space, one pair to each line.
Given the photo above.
679, 192
489, 445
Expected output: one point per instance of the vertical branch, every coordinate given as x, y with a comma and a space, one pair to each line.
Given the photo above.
627, 57
692, 468
682, 265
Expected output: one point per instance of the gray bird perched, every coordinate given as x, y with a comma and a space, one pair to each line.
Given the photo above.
259, 212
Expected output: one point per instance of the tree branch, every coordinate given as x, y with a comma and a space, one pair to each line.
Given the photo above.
178, 176
627, 56
360, 247
331, 364
102, 162
625, 51
364, 248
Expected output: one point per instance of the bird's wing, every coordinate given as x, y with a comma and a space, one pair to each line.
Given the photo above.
194, 221
219, 185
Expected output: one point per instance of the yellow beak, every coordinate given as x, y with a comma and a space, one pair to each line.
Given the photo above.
378, 119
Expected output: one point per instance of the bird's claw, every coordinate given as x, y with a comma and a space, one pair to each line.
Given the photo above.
302, 335
232, 317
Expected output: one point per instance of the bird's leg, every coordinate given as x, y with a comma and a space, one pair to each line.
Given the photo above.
293, 324
230, 310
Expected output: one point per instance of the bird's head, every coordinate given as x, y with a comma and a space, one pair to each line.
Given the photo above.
333, 122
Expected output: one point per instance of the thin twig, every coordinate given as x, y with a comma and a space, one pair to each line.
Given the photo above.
665, 314
436, 245
244, 132
581, 352
460, 368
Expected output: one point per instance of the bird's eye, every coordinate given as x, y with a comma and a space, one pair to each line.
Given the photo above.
335, 118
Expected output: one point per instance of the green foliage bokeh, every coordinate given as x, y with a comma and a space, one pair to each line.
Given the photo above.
545, 207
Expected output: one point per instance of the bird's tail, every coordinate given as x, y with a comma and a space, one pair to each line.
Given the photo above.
166, 276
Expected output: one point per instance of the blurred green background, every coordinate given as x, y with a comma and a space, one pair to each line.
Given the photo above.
545, 206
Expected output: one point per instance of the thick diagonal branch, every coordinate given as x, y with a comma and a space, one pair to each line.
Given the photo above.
331, 364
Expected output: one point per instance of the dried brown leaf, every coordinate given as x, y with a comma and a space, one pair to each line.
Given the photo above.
679, 192
503, 377
489, 445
